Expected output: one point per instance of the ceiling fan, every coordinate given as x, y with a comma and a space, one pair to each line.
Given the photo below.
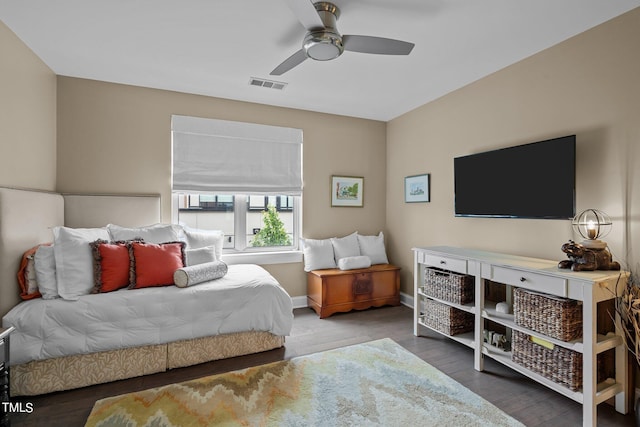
323, 42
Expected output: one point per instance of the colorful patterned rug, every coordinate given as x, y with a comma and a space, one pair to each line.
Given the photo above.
376, 383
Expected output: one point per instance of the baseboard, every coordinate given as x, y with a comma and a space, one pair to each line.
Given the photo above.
406, 299
301, 302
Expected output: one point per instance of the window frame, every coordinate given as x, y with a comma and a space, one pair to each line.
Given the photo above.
242, 253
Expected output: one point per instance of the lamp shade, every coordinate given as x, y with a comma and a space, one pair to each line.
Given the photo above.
592, 224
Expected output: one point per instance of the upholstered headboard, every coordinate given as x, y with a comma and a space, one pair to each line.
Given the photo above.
27, 217
86, 210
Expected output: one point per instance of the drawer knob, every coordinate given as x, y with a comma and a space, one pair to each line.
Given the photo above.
523, 279
443, 262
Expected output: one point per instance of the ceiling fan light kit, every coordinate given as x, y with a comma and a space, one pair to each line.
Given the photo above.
323, 45
323, 42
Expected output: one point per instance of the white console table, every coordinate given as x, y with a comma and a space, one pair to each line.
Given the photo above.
544, 276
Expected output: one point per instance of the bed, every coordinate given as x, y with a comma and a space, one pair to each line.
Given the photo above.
60, 344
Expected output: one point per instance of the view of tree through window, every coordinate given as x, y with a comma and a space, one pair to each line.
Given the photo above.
273, 232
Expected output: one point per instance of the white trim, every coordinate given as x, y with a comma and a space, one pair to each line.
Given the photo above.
263, 258
406, 299
175, 204
299, 302
240, 221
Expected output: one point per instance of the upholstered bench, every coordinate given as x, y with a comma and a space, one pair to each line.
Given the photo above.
333, 290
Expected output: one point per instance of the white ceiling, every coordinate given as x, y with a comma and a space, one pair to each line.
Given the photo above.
213, 47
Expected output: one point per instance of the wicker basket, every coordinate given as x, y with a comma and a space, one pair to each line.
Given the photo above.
448, 286
446, 319
560, 365
556, 317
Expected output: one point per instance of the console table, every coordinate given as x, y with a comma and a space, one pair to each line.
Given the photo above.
538, 275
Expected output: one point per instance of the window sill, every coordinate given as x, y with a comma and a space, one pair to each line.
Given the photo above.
263, 258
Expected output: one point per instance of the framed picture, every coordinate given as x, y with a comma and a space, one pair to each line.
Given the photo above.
347, 191
416, 188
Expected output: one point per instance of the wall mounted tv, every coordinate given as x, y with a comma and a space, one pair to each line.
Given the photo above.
534, 180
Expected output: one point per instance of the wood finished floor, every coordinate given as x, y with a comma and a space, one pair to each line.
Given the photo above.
525, 400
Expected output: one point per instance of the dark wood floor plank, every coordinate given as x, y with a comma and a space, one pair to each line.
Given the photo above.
522, 398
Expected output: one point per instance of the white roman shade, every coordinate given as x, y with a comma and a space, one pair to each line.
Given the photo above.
225, 157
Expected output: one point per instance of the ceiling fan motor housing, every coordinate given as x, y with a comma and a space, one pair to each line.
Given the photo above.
326, 43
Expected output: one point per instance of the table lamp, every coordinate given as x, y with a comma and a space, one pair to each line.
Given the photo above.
592, 224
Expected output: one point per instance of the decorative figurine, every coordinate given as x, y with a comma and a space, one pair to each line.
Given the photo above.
585, 259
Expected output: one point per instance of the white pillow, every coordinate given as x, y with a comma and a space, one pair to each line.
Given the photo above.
197, 239
318, 254
45, 265
200, 255
74, 260
156, 233
347, 246
353, 262
373, 247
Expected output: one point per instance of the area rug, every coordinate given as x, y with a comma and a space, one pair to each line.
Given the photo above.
378, 383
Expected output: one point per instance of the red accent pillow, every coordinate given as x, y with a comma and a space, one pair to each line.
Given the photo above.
111, 265
154, 264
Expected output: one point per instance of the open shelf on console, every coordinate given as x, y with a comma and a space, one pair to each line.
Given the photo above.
466, 338
605, 390
469, 307
604, 343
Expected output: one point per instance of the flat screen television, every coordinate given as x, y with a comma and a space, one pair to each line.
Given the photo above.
534, 180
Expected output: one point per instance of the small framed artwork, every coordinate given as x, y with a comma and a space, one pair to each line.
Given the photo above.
347, 191
416, 188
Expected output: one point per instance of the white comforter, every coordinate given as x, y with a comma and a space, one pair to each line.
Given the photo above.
248, 298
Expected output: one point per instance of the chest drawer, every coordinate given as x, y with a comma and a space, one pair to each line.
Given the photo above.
446, 263
534, 281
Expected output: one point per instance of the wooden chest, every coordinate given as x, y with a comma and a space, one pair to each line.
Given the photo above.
332, 290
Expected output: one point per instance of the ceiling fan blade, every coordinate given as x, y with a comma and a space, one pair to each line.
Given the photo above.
292, 61
306, 13
376, 45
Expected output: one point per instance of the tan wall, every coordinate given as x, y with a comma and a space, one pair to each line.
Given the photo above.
116, 139
586, 86
27, 116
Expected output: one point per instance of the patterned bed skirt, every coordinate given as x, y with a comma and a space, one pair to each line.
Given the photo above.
69, 372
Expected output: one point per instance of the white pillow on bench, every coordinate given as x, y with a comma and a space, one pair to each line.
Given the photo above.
318, 254
346, 246
373, 247
327, 253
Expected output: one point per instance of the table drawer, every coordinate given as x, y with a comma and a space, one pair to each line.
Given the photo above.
446, 263
526, 279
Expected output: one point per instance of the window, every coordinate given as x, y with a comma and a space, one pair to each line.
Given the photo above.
241, 178
219, 212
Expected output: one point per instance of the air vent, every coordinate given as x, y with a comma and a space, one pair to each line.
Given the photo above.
270, 84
